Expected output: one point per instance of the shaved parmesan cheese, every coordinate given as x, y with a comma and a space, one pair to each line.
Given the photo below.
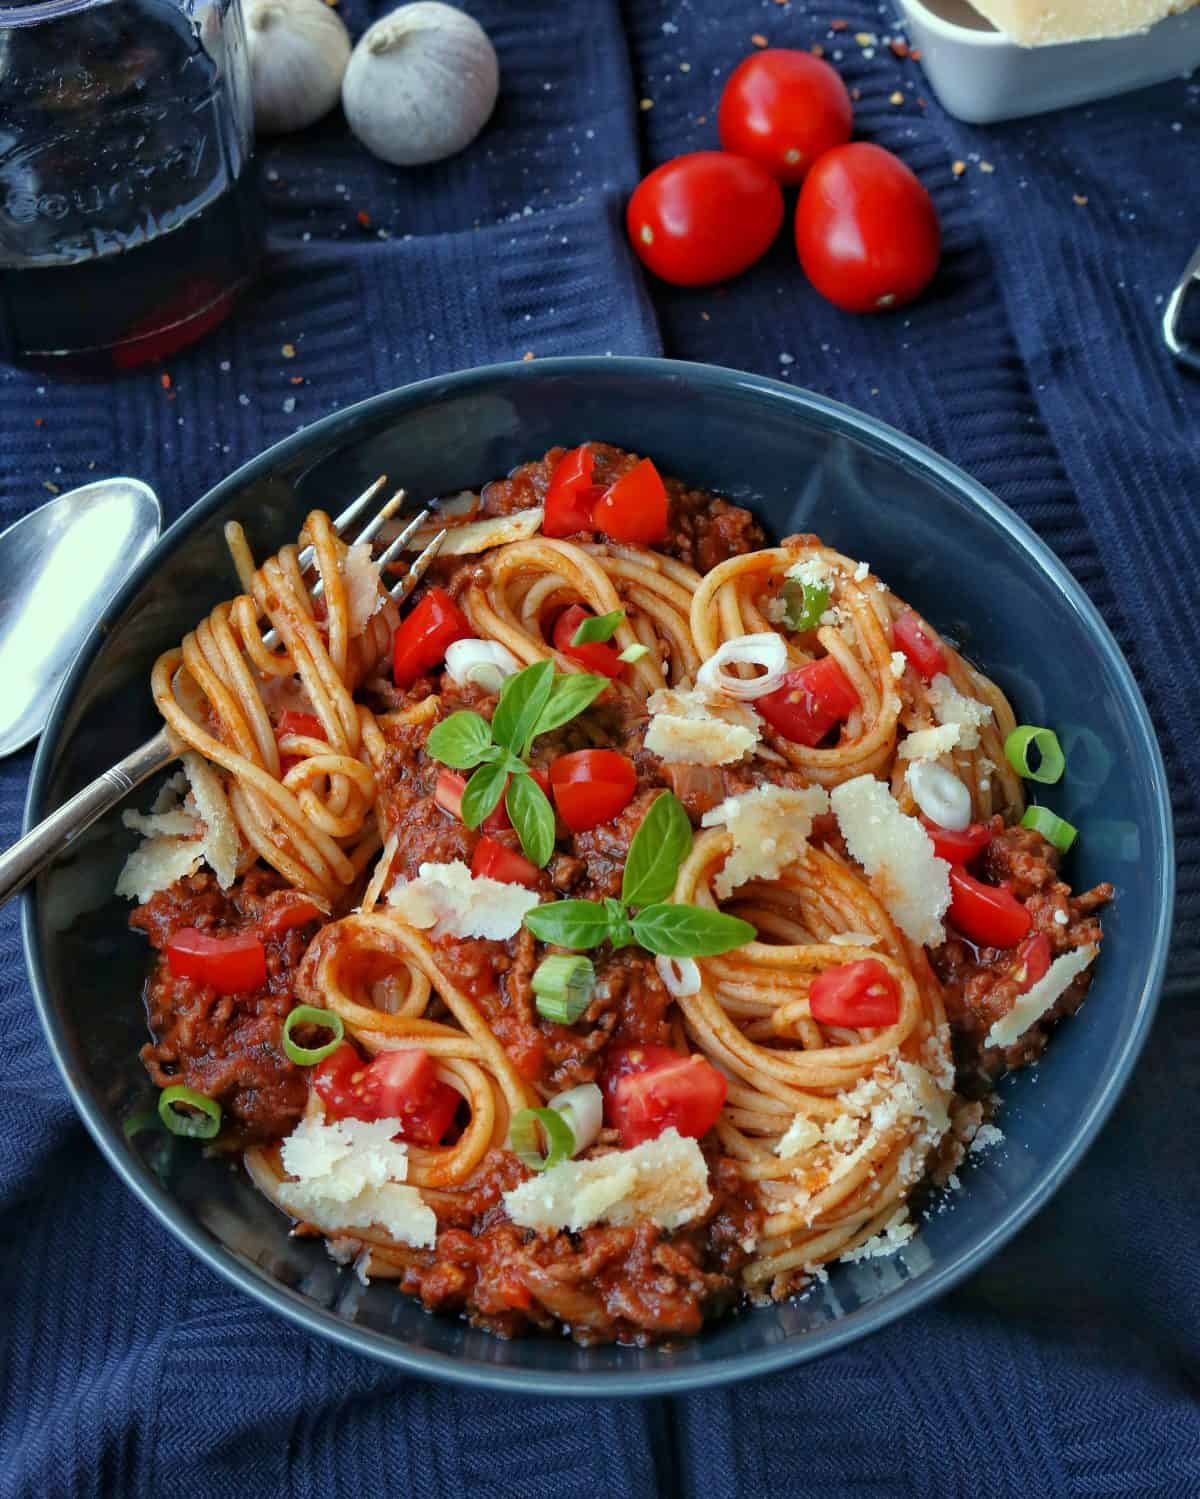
155, 864
178, 840
360, 573
222, 841
801, 1135
456, 903
664, 1181
1031, 1006
176, 824
481, 535
897, 852
769, 826
688, 729
1034, 23
928, 744
951, 707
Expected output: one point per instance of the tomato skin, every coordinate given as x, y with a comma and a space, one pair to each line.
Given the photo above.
400, 1085
423, 635
988, 914
287, 914
334, 1080
571, 496
591, 787
597, 655
230, 965
704, 217
866, 230
648, 1089
494, 861
811, 700
291, 721
913, 636
855, 994
958, 847
784, 108
1033, 961
634, 507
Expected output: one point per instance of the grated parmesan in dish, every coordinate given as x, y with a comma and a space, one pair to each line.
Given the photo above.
177, 838
769, 826
986, 1137
360, 573
687, 728
895, 1234
815, 571
929, 744
1032, 1005
951, 707
897, 852
456, 903
801, 1135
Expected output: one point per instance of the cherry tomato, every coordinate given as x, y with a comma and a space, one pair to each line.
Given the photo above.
591, 786
230, 965
634, 508
423, 635
988, 914
704, 217
306, 725
401, 1085
866, 230
448, 795
494, 861
572, 496
651, 1088
914, 637
335, 1080
855, 994
1033, 961
597, 655
959, 847
811, 700
784, 108
287, 910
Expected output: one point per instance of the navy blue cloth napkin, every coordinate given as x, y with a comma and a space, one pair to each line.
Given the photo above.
1068, 1366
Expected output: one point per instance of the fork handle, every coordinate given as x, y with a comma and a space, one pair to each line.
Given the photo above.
42, 843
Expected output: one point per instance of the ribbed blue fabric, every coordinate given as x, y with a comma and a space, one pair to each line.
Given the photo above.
1068, 1366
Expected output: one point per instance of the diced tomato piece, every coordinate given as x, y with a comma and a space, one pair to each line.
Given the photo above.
292, 721
572, 496
492, 860
424, 634
592, 786
230, 965
989, 914
651, 1088
597, 656
1033, 961
959, 846
449, 792
919, 644
855, 994
811, 700
336, 1079
288, 912
634, 507
400, 1085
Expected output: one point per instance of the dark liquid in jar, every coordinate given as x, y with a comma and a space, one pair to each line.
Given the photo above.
129, 214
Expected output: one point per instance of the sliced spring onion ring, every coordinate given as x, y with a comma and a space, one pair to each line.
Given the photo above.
634, 652
598, 628
530, 1127
940, 795
563, 986
804, 604
1054, 829
143, 1120
1052, 762
483, 663
309, 1056
680, 976
201, 1122
583, 1109
765, 649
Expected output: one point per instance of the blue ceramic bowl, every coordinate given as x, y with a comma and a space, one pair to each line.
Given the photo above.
802, 463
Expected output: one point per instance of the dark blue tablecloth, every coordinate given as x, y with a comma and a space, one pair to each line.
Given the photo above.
1068, 1366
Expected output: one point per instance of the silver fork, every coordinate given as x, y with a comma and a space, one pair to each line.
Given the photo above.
41, 844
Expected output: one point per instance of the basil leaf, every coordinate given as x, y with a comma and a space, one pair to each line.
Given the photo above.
522, 699
571, 693
689, 931
598, 627
620, 933
533, 818
483, 793
659, 847
569, 923
460, 741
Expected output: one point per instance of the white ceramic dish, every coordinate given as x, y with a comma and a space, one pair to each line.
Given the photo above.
980, 75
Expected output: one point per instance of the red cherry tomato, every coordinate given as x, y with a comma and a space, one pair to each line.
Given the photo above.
591, 786
597, 656
855, 994
448, 795
649, 1089
494, 861
400, 1085
784, 108
866, 230
571, 496
914, 637
287, 911
988, 914
335, 1080
811, 700
634, 508
307, 725
704, 217
959, 847
1033, 961
230, 965
424, 634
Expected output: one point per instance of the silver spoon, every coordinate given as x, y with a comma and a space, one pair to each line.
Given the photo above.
61, 565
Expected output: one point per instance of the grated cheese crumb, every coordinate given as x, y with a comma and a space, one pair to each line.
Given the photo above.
456, 903
1033, 1004
769, 826
862, 572
928, 744
950, 706
899, 662
686, 728
815, 571
801, 1135
986, 1137
897, 852
1061, 918
896, 1232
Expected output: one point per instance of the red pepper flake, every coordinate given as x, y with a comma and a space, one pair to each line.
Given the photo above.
297, 380
701, 119
53, 488
839, 25
288, 351
758, 39
856, 94
1079, 199
899, 47
915, 54
165, 380
817, 50
958, 167
527, 356
364, 218
40, 421
705, 316
921, 101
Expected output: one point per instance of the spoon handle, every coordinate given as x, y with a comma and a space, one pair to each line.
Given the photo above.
33, 852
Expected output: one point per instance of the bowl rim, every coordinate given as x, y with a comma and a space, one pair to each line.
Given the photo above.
616, 1383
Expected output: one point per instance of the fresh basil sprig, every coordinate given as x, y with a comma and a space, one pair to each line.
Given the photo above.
659, 847
598, 627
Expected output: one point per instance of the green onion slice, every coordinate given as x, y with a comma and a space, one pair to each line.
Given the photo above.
563, 987
1054, 829
309, 1056
804, 604
634, 652
598, 627
530, 1127
1052, 761
137, 1123
202, 1119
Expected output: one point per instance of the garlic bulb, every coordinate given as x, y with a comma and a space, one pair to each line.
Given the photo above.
421, 84
298, 53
